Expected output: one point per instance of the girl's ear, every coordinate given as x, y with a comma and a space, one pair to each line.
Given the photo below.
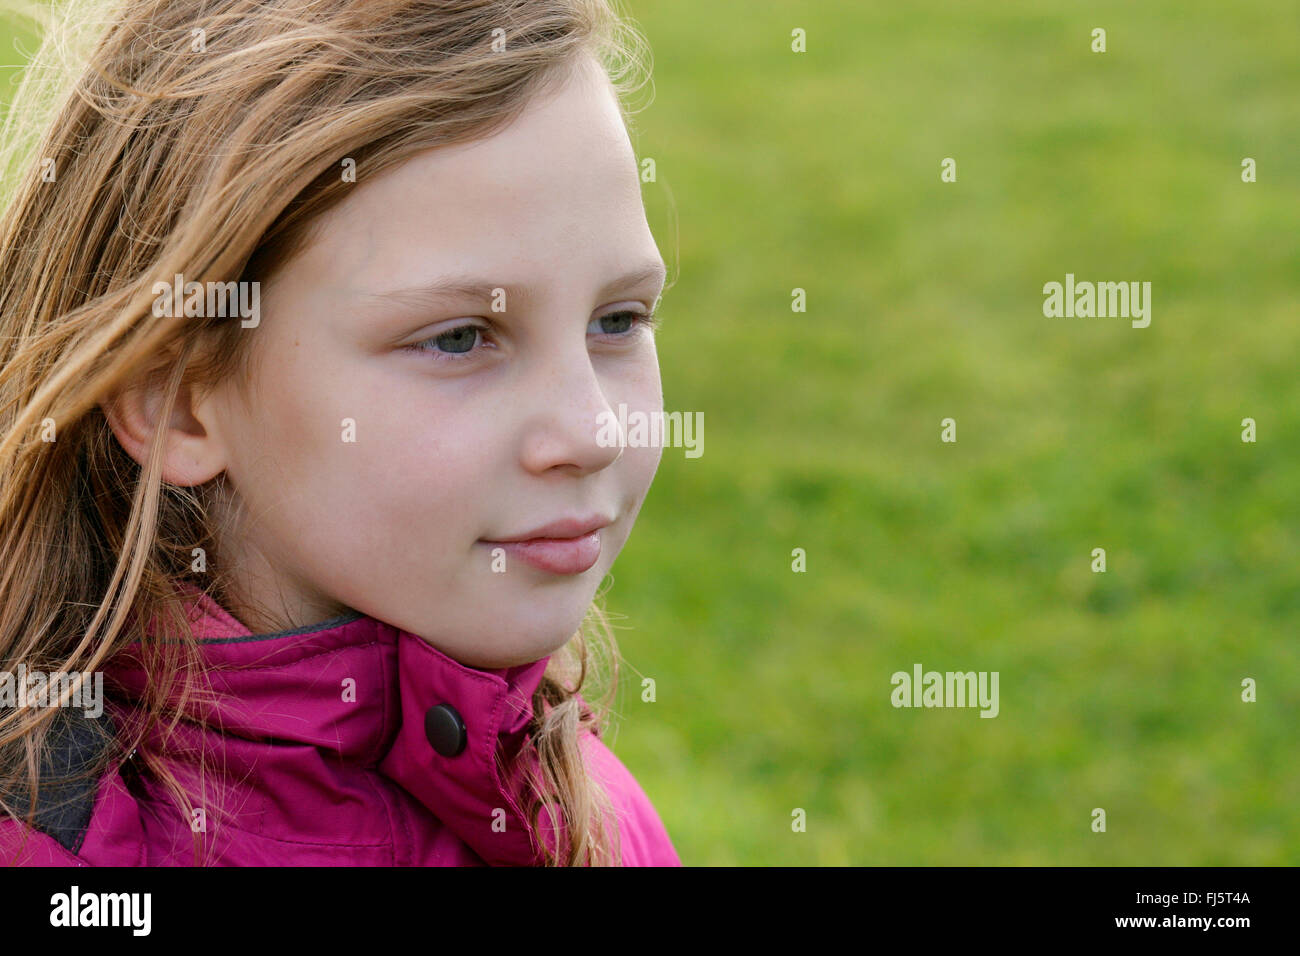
191, 452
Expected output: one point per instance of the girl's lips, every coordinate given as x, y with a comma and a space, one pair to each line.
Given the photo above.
557, 555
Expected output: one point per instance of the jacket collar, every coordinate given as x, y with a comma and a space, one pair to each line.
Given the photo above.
336, 686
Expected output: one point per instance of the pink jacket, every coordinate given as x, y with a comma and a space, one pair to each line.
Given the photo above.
350, 743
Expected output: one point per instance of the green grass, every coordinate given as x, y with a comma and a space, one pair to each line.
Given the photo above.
1118, 690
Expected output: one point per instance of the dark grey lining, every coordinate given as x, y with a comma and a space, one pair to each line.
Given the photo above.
66, 800
309, 629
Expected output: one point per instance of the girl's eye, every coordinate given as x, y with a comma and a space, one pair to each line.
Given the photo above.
619, 324
457, 344
458, 340
451, 345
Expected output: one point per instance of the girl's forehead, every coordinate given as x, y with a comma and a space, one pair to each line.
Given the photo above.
568, 149
540, 194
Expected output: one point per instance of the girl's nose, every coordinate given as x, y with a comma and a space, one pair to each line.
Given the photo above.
566, 419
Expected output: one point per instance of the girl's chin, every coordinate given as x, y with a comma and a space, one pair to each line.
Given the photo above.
505, 643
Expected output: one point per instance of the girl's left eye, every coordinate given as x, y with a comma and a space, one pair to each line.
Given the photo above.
457, 344
624, 322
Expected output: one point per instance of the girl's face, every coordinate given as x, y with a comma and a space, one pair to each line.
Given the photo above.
400, 421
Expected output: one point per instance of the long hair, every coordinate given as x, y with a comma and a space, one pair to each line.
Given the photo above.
204, 137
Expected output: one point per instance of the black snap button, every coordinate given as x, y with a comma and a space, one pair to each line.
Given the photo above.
445, 730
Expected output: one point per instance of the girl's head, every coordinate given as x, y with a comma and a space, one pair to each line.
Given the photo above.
428, 373
439, 205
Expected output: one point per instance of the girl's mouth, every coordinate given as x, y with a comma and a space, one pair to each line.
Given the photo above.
556, 555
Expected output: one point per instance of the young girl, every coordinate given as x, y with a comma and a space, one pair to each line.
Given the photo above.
312, 312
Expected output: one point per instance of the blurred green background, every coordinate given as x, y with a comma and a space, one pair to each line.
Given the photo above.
1122, 690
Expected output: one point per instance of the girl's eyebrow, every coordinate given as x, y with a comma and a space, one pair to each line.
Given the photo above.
479, 288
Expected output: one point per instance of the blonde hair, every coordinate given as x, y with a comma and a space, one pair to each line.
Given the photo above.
215, 165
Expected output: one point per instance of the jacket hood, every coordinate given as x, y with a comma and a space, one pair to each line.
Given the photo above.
335, 688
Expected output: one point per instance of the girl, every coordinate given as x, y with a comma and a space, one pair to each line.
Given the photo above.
312, 312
